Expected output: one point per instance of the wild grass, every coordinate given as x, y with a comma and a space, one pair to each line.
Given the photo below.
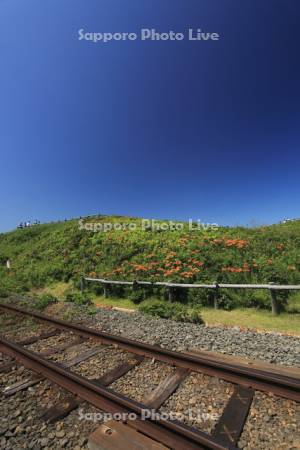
245, 318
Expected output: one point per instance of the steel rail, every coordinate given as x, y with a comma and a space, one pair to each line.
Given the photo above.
278, 384
172, 433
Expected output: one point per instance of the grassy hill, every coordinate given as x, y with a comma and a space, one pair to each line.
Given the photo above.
61, 252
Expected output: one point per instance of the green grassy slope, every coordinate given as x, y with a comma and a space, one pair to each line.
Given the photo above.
60, 252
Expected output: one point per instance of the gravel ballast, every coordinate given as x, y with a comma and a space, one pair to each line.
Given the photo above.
101, 364
21, 424
199, 401
141, 380
270, 347
273, 423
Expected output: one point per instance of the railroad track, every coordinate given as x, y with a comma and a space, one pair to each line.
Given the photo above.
171, 433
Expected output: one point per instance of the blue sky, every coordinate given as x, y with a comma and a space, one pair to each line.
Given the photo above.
202, 130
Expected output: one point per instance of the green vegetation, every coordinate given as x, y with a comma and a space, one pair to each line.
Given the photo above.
78, 298
78, 301
50, 259
44, 300
174, 311
254, 319
114, 302
57, 289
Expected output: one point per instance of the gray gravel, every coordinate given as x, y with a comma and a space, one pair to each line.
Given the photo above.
141, 380
101, 364
199, 401
270, 347
21, 426
272, 423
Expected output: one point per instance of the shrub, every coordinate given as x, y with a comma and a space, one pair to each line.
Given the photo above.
44, 300
174, 311
293, 305
3, 292
78, 298
137, 296
201, 297
229, 299
156, 308
37, 279
117, 291
9, 286
182, 313
55, 272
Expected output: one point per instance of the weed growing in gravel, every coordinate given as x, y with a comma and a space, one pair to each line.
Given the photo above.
44, 300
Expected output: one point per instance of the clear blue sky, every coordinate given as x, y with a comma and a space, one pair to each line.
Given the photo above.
154, 129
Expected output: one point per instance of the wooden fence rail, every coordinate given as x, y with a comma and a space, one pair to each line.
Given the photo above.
272, 287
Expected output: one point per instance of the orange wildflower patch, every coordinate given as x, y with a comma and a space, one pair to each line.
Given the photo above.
140, 267
92, 274
118, 270
170, 272
170, 255
237, 243
245, 268
151, 255
189, 274
197, 263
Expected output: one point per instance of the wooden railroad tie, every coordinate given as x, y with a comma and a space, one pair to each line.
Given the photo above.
115, 435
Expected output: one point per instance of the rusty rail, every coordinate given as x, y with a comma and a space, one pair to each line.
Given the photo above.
279, 384
171, 433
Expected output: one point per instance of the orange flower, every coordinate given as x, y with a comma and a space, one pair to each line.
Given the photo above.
170, 255
150, 255
234, 269
238, 243
197, 263
140, 267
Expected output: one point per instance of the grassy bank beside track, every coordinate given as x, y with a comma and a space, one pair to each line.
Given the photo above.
244, 318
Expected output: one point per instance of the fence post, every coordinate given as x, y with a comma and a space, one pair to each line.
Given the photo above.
134, 285
171, 294
216, 295
105, 290
274, 301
